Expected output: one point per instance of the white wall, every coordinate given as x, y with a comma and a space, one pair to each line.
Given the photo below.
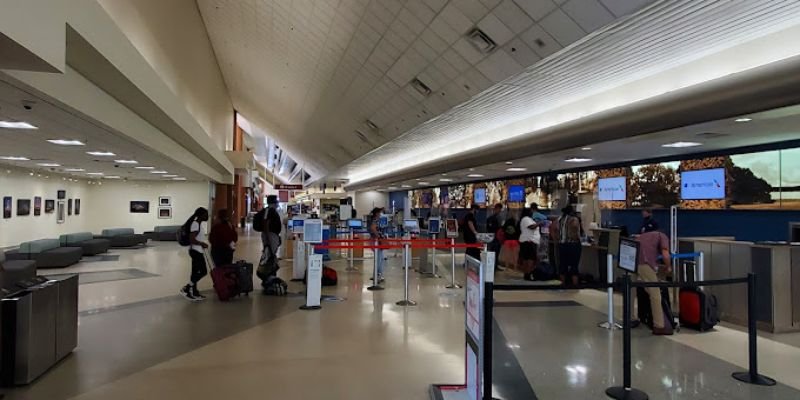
364, 202
172, 37
20, 184
110, 203
102, 206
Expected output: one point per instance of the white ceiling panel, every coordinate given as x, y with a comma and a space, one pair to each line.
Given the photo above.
589, 14
313, 71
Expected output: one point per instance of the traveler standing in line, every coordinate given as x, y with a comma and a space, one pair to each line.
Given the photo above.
493, 225
648, 222
471, 232
653, 244
529, 240
223, 238
197, 246
376, 235
271, 240
569, 245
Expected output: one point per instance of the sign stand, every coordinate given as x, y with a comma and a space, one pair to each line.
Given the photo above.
610, 324
312, 233
376, 285
351, 252
453, 284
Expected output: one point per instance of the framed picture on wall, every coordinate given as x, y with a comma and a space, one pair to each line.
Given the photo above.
140, 207
23, 207
165, 201
6, 207
61, 211
62, 194
165, 212
49, 206
37, 206
77, 206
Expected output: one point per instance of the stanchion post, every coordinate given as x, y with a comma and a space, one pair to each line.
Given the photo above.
610, 323
752, 376
406, 302
433, 256
351, 251
626, 392
453, 284
375, 279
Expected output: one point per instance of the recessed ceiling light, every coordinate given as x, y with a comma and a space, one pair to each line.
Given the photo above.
682, 144
417, 179
126, 161
159, 172
445, 180
101, 153
94, 173
405, 186
74, 170
424, 183
16, 125
66, 142
475, 176
14, 158
516, 169
578, 159
178, 179
586, 148
509, 162
111, 177
743, 119
145, 167
48, 165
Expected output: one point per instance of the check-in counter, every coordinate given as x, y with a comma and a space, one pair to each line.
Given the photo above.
777, 268
593, 256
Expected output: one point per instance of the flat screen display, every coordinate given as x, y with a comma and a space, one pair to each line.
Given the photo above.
411, 225
479, 196
516, 193
628, 255
611, 189
355, 223
433, 225
704, 184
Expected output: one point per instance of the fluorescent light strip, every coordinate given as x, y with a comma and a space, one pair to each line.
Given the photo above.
159, 172
66, 142
126, 161
111, 177
16, 125
48, 165
743, 119
475, 176
14, 158
170, 176
178, 179
74, 170
578, 160
516, 169
145, 167
101, 153
680, 145
95, 173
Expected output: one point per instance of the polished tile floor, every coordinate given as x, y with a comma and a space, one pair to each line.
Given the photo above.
139, 340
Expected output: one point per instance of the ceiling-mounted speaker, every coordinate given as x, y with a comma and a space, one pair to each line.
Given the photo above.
372, 125
481, 41
421, 87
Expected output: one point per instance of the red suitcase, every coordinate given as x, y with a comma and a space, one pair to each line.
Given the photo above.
226, 282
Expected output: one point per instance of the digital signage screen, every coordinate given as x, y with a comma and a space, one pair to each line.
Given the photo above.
479, 196
516, 193
611, 189
704, 184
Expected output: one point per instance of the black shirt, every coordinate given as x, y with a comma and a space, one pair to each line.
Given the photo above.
273, 221
469, 236
493, 223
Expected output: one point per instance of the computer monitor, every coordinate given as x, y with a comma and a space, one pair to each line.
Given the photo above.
411, 225
629, 255
355, 223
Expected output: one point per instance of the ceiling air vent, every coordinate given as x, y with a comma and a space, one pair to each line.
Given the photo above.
420, 87
362, 137
372, 125
481, 41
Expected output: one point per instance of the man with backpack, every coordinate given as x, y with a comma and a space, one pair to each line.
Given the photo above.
268, 222
192, 234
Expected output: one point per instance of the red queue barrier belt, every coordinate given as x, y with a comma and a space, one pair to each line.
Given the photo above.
445, 241
388, 247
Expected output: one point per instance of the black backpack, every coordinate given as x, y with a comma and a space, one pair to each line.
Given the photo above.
258, 220
183, 234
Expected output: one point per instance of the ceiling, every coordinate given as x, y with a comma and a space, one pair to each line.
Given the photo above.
779, 125
56, 123
312, 73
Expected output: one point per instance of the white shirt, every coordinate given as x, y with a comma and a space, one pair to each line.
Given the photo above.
527, 234
201, 235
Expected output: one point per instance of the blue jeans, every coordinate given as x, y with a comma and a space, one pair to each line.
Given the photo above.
380, 260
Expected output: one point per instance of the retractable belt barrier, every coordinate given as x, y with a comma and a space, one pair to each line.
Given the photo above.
626, 391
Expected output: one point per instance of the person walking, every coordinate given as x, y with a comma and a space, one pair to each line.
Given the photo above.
223, 238
652, 245
471, 232
197, 246
376, 235
569, 245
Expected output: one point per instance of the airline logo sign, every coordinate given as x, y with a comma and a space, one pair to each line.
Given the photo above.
704, 184
282, 186
611, 189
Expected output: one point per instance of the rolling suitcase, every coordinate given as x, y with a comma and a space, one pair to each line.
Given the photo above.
244, 270
698, 310
226, 282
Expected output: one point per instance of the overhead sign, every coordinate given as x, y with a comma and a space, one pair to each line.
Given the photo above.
611, 189
705, 184
283, 186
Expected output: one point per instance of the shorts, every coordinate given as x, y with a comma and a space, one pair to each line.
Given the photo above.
527, 251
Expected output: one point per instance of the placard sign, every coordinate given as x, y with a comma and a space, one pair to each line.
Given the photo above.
314, 284
473, 303
629, 255
312, 231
